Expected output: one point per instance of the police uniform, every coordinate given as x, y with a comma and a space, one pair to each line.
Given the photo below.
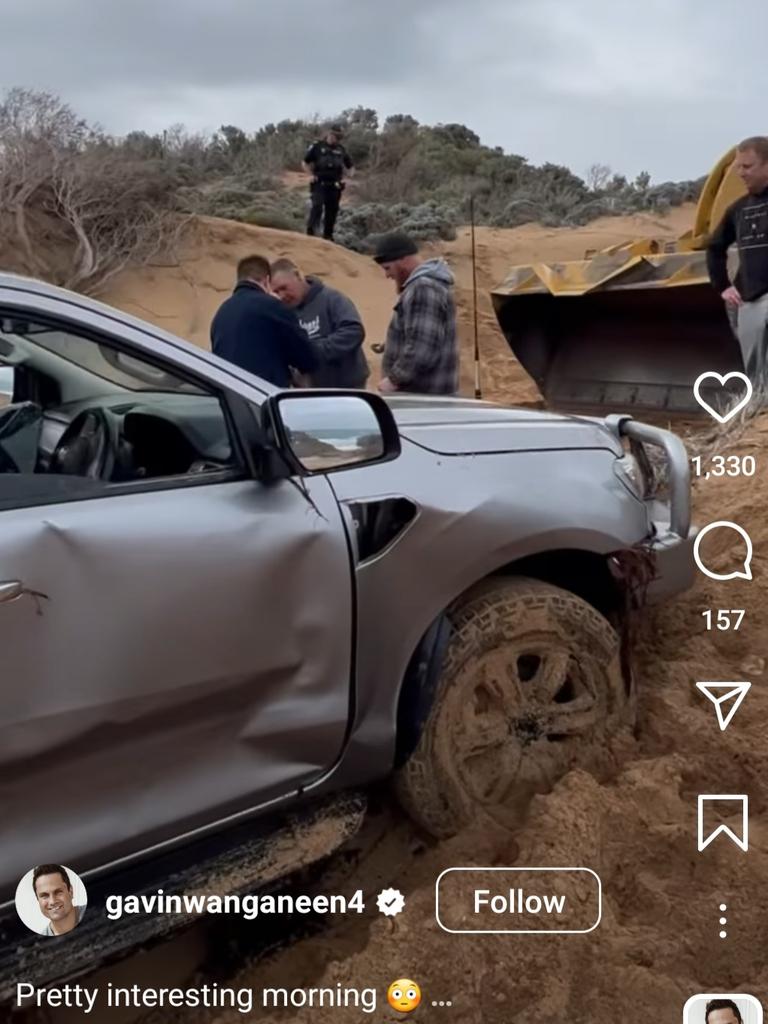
328, 162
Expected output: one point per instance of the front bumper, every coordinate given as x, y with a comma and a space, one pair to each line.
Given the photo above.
672, 536
673, 557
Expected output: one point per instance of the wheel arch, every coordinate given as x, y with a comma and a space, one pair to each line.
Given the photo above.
596, 578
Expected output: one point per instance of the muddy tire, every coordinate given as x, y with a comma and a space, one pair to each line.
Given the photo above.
531, 685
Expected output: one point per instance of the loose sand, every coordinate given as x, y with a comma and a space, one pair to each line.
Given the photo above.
636, 824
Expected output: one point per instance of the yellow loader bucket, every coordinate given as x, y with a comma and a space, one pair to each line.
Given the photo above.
630, 328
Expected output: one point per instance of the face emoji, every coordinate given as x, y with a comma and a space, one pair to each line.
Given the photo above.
404, 995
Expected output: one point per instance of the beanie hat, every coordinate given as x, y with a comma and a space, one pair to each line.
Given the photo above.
394, 246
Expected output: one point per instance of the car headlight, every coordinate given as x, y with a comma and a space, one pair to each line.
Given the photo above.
629, 471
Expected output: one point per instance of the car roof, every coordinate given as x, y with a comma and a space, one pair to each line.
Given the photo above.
184, 349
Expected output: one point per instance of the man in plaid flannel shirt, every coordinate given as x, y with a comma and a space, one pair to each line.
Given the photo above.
422, 349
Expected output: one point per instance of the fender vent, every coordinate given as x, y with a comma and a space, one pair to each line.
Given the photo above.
379, 523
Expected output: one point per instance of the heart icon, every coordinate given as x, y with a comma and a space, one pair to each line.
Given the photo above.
723, 380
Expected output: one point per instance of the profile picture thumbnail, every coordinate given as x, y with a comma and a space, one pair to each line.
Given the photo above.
51, 900
723, 1009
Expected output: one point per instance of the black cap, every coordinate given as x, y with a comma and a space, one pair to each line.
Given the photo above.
394, 246
337, 130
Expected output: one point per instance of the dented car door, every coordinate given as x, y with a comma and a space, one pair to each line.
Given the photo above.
157, 659
158, 647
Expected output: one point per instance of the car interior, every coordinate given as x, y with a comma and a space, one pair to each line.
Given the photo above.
73, 407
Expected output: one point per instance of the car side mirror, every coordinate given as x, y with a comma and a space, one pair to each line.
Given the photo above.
320, 431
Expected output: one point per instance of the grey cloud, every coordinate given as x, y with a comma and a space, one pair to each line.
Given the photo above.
660, 86
230, 42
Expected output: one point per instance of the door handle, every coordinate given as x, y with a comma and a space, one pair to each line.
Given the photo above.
10, 590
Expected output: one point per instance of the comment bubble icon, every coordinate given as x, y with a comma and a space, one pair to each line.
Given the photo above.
743, 573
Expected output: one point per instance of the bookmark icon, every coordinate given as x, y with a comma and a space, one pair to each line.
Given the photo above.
740, 801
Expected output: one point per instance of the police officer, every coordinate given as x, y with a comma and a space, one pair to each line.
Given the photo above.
326, 160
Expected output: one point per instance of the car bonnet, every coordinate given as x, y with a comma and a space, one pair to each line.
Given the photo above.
456, 426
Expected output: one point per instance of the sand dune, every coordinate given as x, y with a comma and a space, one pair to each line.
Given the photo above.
182, 297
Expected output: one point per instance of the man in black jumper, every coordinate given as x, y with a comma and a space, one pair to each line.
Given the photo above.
332, 323
258, 333
327, 161
746, 223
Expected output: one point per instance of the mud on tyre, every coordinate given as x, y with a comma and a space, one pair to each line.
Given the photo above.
531, 684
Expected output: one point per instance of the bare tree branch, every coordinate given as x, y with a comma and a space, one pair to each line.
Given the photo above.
77, 210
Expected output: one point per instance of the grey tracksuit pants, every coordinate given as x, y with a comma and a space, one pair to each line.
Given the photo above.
750, 323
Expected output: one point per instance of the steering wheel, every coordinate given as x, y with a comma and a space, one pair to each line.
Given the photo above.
89, 446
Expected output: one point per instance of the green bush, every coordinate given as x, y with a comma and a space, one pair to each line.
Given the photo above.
360, 226
429, 221
411, 176
225, 197
257, 181
268, 217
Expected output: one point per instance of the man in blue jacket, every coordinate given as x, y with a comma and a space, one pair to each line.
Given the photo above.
255, 331
333, 325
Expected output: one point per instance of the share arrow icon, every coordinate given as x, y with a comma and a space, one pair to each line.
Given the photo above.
721, 694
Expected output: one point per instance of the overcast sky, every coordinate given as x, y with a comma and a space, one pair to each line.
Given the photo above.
662, 85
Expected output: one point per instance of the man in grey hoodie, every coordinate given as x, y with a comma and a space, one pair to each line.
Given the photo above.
332, 323
421, 353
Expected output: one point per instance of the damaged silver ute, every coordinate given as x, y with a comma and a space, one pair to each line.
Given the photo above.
223, 606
